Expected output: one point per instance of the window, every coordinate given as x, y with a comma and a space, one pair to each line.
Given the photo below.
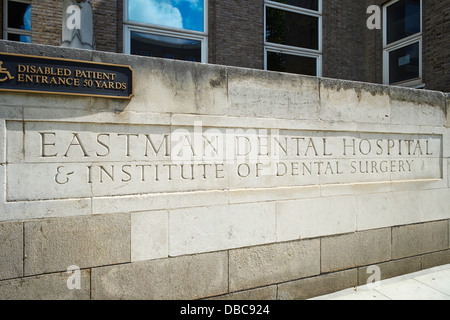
17, 20
402, 43
293, 36
171, 29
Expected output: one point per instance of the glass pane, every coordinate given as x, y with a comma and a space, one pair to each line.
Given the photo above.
292, 29
182, 14
19, 15
165, 47
403, 19
307, 4
404, 63
19, 37
291, 63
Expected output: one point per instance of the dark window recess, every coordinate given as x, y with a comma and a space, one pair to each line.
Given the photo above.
404, 63
165, 47
291, 63
292, 29
403, 20
19, 15
19, 37
306, 4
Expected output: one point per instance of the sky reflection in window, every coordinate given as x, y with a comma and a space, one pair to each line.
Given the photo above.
182, 14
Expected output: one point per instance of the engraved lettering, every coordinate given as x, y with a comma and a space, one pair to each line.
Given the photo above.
45, 144
76, 142
103, 144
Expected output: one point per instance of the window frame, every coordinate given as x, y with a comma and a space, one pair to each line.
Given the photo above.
292, 50
155, 29
402, 43
7, 30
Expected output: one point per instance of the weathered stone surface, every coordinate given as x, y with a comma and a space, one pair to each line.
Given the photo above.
11, 250
149, 235
187, 277
355, 249
419, 238
46, 287
285, 96
389, 269
349, 101
435, 259
316, 286
175, 86
268, 264
387, 209
435, 204
196, 230
407, 103
312, 218
259, 294
55, 244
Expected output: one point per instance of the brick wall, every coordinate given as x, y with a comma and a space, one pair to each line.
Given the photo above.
436, 44
106, 18
47, 21
373, 48
236, 33
343, 40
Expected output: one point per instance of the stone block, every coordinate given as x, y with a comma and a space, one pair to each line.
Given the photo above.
353, 102
435, 259
417, 107
52, 245
269, 264
149, 235
180, 278
317, 286
318, 217
206, 229
356, 249
388, 209
259, 94
435, 204
170, 86
419, 239
46, 287
11, 250
390, 269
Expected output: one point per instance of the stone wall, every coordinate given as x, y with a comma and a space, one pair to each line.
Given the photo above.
218, 182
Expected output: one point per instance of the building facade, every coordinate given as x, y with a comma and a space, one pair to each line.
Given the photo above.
326, 38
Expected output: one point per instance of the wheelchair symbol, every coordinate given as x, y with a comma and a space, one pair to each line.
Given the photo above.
5, 72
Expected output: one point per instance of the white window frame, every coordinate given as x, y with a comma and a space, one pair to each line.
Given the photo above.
291, 50
388, 48
6, 29
154, 29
